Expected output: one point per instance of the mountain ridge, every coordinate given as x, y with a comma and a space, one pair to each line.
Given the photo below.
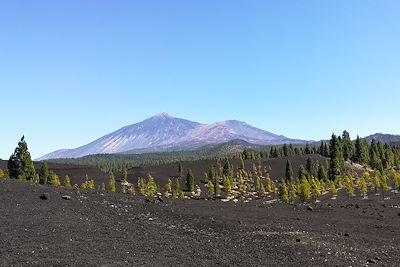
163, 132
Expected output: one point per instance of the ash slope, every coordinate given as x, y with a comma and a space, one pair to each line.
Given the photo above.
106, 229
165, 133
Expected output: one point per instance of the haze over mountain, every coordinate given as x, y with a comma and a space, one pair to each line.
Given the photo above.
163, 132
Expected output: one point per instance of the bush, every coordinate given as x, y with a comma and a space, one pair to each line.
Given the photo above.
142, 187
332, 187
54, 179
83, 186
90, 184
305, 190
168, 189
292, 191
210, 187
67, 182
178, 190
112, 182
151, 186
283, 192
349, 185
362, 183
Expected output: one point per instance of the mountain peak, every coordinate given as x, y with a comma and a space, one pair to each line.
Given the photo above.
163, 132
162, 115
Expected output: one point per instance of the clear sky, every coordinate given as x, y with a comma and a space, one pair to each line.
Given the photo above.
72, 71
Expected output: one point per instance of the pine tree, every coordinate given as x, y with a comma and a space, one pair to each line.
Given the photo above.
349, 186
261, 191
315, 186
44, 174
255, 170
383, 184
283, 192
307, 150
54, 179
168, 189
151, 186
90, 184
285, 150
190, 181
374, 156
227, 185
289, 171
178, 190
292, 191
305, 190
67, 182
321, 149
84, 185
268, 185
395, 180
228, 169
273, 187
362, 183
377, 181
242, 166
336, 166
124, 174
322, 173
1, 173
142, 186
217, 189
361, 155
348, 146
112, 182
332, 187
302, 172
180, 169
367, 177
210, 186
20, 163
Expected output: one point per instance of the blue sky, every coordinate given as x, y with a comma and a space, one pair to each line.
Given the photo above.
72, 71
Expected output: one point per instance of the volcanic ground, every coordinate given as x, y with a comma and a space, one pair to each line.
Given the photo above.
113, 229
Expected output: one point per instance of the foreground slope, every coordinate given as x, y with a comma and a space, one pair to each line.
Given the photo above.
95, 229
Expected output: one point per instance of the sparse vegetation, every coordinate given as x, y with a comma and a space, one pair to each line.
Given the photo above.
67, 182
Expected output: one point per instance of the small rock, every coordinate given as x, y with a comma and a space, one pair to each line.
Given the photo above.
149, 201
309, 208
347, 235
44, 196
297, 240
151, 219
374, 261
66, 197
159, 198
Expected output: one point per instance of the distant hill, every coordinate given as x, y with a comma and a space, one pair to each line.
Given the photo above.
163, 133
383, 138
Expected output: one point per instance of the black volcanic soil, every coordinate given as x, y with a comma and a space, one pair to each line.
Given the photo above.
94, 229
